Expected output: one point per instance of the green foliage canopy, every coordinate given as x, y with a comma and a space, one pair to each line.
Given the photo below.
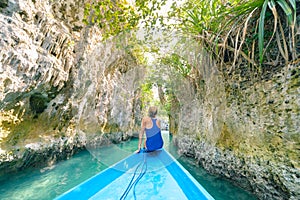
117, 16
212, 21
244, 28
209, 21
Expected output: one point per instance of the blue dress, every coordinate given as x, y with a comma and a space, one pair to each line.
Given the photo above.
154, 140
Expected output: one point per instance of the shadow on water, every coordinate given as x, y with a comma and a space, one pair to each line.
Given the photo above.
49, 182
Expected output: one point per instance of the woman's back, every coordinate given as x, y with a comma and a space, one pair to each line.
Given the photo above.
151, 126
154, 139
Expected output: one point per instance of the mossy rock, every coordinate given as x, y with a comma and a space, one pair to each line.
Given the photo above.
3, 4
38, 103
227, 140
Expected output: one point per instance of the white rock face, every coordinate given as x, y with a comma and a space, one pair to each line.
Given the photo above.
58, 78
248, 132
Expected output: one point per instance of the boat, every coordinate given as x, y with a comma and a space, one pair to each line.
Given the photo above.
153, 175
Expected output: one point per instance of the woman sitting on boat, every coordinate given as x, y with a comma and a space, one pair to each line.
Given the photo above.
151, 126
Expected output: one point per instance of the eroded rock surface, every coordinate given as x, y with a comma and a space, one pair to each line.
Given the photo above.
247, 132
62, 87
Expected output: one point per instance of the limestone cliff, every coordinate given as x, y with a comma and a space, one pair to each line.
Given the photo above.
61, 86
245, 131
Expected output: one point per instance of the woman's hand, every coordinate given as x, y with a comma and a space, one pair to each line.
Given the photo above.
137, 151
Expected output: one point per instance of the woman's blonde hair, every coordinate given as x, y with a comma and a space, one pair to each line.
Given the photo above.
152, 111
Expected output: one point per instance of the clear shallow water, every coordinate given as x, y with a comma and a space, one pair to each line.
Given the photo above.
153, 176
48, 183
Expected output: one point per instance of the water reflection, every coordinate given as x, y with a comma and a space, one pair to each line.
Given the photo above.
47, 183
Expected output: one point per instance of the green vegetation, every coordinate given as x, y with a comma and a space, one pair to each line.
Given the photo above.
258, 34
248, 40
114, 17
147, 94
178, 63
240, 26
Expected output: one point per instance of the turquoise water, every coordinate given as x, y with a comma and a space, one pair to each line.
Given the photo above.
48, 183
153, 176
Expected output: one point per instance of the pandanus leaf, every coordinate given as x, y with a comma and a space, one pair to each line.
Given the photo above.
261, 30
287, 10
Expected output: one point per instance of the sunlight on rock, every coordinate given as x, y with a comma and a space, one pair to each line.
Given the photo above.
74, 77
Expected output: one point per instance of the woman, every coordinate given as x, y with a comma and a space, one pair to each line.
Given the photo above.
151, 126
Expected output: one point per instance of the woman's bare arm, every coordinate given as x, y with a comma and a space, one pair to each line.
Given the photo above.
142, 131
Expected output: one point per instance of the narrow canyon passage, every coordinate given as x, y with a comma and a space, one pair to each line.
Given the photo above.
224, 75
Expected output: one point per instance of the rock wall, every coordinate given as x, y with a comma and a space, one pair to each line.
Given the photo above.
61, 87
246, 132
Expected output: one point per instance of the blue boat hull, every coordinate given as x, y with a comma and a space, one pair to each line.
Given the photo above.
154, 175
